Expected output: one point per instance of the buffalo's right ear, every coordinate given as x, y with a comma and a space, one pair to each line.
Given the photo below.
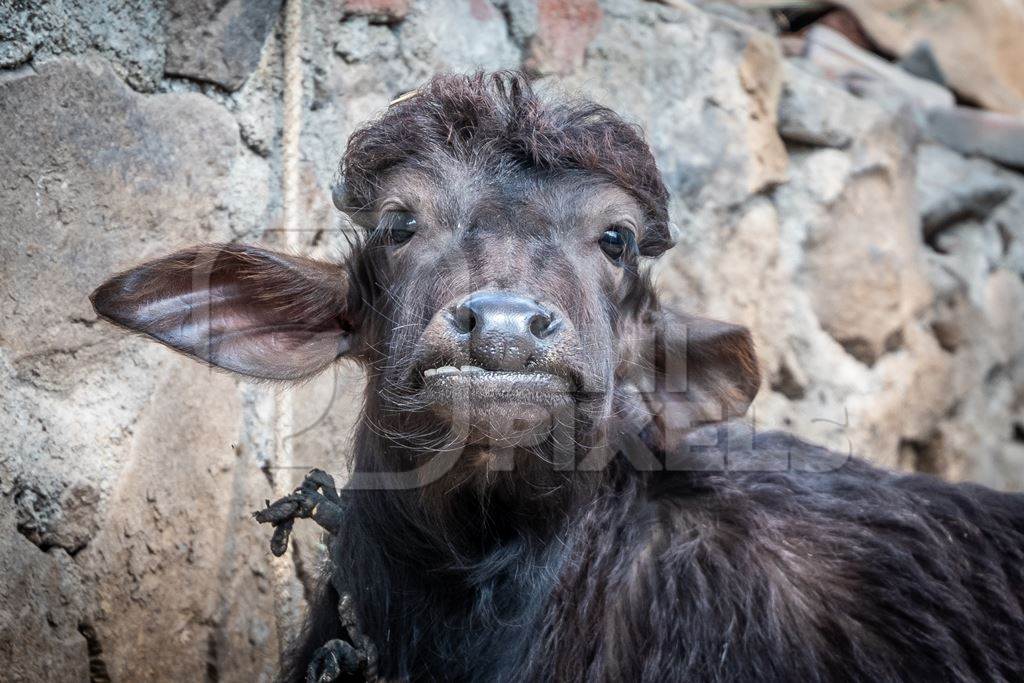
256, 312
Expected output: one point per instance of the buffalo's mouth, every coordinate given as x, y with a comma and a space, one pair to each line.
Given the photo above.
505, 404
468, 383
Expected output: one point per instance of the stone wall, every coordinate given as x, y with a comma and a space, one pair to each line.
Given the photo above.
881, 273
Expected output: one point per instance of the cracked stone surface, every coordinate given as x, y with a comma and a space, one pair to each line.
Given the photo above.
216, 41
882, 279
123, 453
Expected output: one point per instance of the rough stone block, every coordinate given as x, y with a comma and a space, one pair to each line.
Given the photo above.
215, 41
383, 11
999, 137
951, 188
976, 42
815, 111
564, 30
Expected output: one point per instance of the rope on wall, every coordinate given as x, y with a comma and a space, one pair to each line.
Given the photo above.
287, 599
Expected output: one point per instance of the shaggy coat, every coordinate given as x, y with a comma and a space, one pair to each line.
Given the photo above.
852, 574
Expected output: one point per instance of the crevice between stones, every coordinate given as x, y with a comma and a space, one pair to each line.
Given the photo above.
785, 383
212, 657
98, 672
923, 455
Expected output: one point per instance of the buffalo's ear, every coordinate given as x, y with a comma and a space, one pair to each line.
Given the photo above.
359, 212
685, 371
256, 312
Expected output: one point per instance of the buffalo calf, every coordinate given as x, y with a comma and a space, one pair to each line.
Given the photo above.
546, 483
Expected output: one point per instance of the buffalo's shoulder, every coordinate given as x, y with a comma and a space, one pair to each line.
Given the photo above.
748, 571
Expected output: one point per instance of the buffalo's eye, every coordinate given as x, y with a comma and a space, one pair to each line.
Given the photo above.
399, 226
616, 243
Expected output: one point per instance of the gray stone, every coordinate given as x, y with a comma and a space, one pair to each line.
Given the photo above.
951, 188
455, 35
863, 269
129, 32
843, 61
999, 137
922, 63
68, 519
976, 42
815, 111
707, 96
41, 612
360, 41
216, 41
116, 463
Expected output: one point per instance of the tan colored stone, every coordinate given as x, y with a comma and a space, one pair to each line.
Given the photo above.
977, 42
760, 72
849, 64
864, 273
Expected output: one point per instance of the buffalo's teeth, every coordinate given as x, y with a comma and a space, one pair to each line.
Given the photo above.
471, 368
446, 370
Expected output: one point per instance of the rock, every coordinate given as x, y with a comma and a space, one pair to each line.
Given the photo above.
909, 396
1004, 308
976, 42
851, 235
758, 17
456, 36
845, 24
1006, 220
67, 520
117, 145
842, 61
971, 251
180, 517
921, 62
41, 600
380, 11
216, 41
951, 188
815, 111
760, 76
564, 30
15, 44
707, 98
863, 272
522, 18
360, 41
971, 131
118, 459
129, 33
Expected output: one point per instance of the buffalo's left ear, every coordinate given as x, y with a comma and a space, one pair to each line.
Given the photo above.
249, 310
685, 371
360, 213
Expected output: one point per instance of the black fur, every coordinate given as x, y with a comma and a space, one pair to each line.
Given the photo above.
720, 575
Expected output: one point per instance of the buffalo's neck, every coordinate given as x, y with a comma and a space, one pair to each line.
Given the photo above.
478, 553
458, 506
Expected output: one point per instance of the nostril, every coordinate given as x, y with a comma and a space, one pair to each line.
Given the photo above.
464, 319
543, 325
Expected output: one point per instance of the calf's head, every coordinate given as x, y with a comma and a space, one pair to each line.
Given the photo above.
500, 284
